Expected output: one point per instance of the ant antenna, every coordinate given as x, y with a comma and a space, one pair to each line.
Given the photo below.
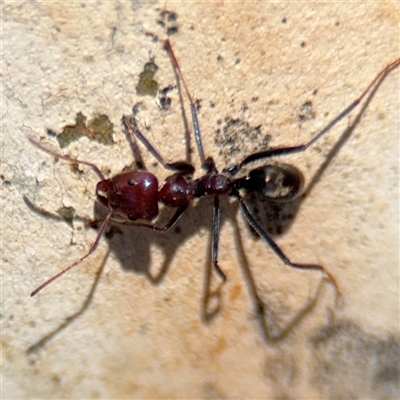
66, 158
103, 226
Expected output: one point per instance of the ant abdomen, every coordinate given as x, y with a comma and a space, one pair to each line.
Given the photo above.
278, 182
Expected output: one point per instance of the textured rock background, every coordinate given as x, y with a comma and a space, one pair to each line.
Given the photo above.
261, 63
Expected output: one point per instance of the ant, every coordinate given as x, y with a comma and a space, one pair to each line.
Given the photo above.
133, 197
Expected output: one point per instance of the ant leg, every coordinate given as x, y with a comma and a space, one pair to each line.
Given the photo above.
195, 121
130, 126
91, 250
137, 156
66, 158
264, 235
216, 228
234, 169
174, 219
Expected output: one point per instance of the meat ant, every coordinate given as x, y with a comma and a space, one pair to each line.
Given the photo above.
135, 195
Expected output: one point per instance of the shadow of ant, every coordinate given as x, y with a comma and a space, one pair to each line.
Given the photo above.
132, 247
35, 347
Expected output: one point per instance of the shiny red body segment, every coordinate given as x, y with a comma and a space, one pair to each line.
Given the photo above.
176, 191
133, 195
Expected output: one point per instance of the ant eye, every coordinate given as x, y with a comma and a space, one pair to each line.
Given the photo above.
132, 182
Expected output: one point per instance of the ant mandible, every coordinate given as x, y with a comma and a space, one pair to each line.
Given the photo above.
136, 195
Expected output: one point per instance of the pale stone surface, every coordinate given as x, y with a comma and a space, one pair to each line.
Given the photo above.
140, 340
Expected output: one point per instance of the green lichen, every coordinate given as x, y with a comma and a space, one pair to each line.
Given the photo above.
67, 214
147, 86
99, 128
